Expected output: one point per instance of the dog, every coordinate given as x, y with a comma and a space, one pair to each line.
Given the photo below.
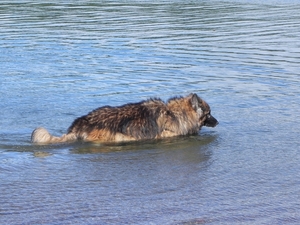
150, 119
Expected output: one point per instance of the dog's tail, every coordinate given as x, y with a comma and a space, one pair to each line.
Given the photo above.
41, 136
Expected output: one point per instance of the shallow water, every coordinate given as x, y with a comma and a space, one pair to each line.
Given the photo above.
60, 60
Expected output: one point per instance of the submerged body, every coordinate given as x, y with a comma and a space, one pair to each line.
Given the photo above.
151, 119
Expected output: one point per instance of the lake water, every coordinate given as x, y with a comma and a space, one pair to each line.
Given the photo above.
62, 59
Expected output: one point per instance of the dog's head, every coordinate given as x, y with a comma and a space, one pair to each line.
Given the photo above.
203, 111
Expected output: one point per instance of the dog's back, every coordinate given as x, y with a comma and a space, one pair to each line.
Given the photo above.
133, 121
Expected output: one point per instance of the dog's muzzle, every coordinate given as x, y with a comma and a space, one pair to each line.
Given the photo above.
210, 121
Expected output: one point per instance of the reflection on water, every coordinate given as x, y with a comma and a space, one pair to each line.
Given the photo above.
167, 144
61, 59
118, 182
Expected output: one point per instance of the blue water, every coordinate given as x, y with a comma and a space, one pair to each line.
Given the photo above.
61, 59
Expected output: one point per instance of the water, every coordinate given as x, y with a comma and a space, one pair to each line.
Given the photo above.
62, 59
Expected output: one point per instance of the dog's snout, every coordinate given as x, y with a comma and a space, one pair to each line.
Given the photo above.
211, 121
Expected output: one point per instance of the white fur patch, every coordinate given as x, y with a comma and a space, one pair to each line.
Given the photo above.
199, 112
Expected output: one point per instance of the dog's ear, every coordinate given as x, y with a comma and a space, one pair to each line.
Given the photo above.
194, 100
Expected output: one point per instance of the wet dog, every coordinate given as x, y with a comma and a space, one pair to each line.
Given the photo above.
151, 119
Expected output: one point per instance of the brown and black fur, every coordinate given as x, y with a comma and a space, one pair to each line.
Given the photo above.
151, 119
190, 114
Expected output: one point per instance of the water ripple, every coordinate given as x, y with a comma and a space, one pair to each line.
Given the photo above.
61, 59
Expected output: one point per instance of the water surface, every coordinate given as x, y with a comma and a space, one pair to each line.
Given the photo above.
61, 59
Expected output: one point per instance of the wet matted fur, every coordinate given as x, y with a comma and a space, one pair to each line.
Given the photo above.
151, 119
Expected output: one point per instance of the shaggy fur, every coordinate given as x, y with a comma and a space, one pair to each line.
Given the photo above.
151, 119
